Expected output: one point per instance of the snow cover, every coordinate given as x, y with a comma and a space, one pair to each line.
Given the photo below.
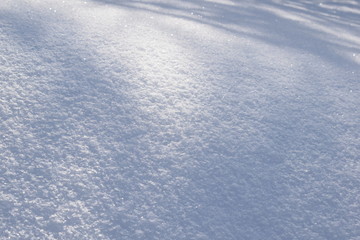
164, 119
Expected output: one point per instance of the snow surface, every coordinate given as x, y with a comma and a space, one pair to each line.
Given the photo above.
164, 119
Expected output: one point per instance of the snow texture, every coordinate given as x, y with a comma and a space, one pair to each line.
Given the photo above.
164, 119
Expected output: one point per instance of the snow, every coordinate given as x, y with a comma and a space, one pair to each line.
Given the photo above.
170, 119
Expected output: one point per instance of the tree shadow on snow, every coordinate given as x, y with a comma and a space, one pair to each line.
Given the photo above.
78, 127
84, 138
274, 23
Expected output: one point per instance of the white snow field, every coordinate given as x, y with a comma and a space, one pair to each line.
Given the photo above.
187, 119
